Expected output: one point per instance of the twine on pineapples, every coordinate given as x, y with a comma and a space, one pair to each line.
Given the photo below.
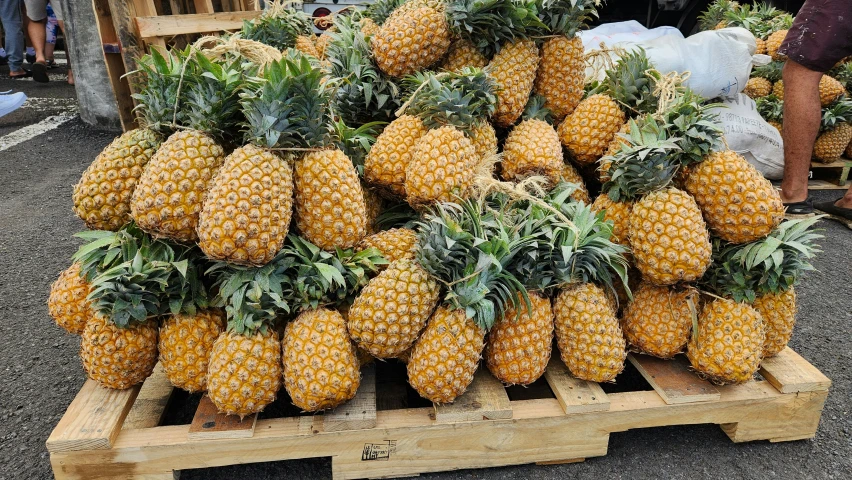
218, 48
668, 89
602, 59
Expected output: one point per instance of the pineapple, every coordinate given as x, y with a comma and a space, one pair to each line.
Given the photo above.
604, 164
412, 39
588, 131
760, 46
772, 110
738, 203
519, 345
385, 165
369, 27
118, 357
778, 311
244, 372
829, 90
757, 87
323, 41
484, 140
659, 319
778, 89
375, 205
562, 69
728, 345
835, 131
168, 197
185, 343
321, 369
773, 43
618, 213
513, 69
443, 168
307, 44
391, 311
571, 175
68, 305
282, 25
532, 147
394, 244
463, 53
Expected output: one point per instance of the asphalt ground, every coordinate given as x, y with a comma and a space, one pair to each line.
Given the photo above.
40, 372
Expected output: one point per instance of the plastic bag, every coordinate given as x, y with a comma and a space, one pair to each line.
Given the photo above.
630, 31
748, 134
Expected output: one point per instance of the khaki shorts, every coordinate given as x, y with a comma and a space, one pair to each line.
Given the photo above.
37, 9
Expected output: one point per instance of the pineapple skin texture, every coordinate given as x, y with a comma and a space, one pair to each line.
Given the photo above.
391, 311
394, 244
514, 69
829, 146
330, 208
659, 320
761, 46
519, 346
773, 43
444, 359
384, 166
829, 90
730, 342
463, 53
307, 45
168, 198
588, 334
618, 213
246, 212
102, 197
778, 89
778, 311
758, 87
614, 146
369, 27
442, 167
118, 358
67, 303
407, 43
374, 204
739, 204
668, 238
321, 368
244, 372
484, 140
561, 74
532, 148
588, 131
570, 174
185, 345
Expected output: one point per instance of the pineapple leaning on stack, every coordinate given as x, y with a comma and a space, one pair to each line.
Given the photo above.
835, 131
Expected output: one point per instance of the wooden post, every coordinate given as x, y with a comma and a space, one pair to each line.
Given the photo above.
132, 46
114, 65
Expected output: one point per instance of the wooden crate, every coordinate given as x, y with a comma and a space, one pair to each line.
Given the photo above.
830, 176
107, 434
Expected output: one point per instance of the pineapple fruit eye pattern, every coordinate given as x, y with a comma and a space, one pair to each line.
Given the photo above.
430, 182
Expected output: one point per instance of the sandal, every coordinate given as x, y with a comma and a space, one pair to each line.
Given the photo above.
40, 73
842, 215
800, 209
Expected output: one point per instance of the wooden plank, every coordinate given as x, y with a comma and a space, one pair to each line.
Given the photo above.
209, 424
93, 420
151, 402
673, 379
150, 27
203, 6
132, 46
790, 373
574, 395
826, 185
841, 163
485, 399
114, 65
358, 413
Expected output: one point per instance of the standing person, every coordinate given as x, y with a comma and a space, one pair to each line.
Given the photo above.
820, 37
60, 22
37, 30
10, 15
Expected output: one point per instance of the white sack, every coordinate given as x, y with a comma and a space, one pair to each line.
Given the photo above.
630, 31
748, 134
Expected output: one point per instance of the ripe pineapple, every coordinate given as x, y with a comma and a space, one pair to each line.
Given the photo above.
443, 166
757, 87
244, 372
394, 244
185, 345
778, 89
738, 203
519, 344
391, 311
412, 39
118, 357
659, 319
605, 163
369, 27
835, 131
321, 369
571, 175
778, 311
773, 43
588, 131
563, 67
772, 110
169, 194
322, 43
307, 44
761, 46
619, 213
484, 140
463, 53
588, 334
829, 90
68, 305
385, 165
513, 68
532, 147
728, 346
375, 205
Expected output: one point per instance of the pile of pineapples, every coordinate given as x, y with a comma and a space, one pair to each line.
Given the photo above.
414, 185
769, 26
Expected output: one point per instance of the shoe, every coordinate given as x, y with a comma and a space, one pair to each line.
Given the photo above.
40, 73
800, 209
4, 60
842, 215
9, 102
30, 58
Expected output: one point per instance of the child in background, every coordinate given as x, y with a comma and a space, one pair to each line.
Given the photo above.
51, 29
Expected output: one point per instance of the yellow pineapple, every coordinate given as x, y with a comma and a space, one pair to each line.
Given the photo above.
532, 147
375, 205
463, 53
588, 131
739, 204
761, 46
728, 346
659, 319
185, 345
757, 87
778, 89
519, 344
307, 45
571, 175
513, 69
588, 334
394, 244
244, 372
391, 311
835, 131
68, 305
117, 357
321, 369
829, 90
605, 163
369, 27
773, 43
484, 140
412, 40
442, 167
384, 166
322, 42
618, 213
778, 311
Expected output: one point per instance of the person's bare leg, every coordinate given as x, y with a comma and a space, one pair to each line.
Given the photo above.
38, 35
801, 125
846, 200
67, 53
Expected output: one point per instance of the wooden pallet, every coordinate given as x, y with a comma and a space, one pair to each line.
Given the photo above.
830, 176
107, 434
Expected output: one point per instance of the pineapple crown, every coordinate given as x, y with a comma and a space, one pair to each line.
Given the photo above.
159, 78
632, 82
839, 112
468, 250
211, 101
843, 74
356, 142
769, 265
279, 25
490, 23
771, 108
462, 99
379, 10
535, 110
696, 130
567, 17
645, 163
104, 250
772, 71
362, 92
289, 106
715, 13
759, 20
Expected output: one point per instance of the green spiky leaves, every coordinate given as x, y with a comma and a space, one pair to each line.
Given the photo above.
772, 71
158, 79
696, 131
535, 109
211, 98
840, 111
462, 99
644, 164
771, 108
279, 25
379, 10
567, 17
490, 23
632, 83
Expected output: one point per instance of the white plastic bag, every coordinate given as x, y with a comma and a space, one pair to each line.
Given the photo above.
748, 134
630, 31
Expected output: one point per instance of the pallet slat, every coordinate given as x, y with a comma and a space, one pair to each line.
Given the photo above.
170, 25
574, 395
673, 379
209, 424
150, 405
791, 373
485, 399
358, 413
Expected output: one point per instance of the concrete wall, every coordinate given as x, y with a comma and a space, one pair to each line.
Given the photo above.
94, 92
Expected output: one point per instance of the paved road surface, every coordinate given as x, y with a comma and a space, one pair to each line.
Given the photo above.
40, 372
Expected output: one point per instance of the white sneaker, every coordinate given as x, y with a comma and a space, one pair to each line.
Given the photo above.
11, 102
